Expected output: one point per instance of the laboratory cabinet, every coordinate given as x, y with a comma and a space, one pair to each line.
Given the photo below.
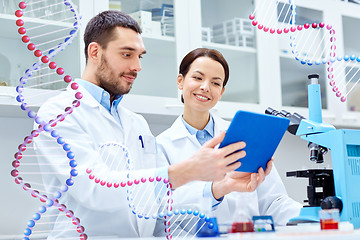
263, 71
342, 17
157, 20
16, 59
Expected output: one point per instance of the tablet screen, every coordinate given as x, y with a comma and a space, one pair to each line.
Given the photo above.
262, 134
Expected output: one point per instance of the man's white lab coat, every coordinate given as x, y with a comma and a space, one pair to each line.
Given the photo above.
102, 211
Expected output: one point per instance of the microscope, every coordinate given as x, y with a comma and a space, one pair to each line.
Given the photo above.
327, 189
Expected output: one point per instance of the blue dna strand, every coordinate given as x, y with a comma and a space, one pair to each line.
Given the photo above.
46, 30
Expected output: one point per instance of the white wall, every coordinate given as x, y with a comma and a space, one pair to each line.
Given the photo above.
17, 206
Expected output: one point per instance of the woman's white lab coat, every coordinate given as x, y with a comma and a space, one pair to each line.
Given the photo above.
270, 198
102, 211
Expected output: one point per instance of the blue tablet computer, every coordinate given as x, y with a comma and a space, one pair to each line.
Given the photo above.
262, 134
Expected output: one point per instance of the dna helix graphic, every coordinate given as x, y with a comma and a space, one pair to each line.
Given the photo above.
140, 186
311, 43
46, 42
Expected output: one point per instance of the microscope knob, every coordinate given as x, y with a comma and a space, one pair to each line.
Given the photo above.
332, 202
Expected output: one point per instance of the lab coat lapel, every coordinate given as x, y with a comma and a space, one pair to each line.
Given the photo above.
90, 100
106, 113
219, 125
223, 211
127, 126
193, 139
180, 131
127, 120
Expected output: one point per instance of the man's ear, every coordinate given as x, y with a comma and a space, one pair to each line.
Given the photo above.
94, 51
180, 81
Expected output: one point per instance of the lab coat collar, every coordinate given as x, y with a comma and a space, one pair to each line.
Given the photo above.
209, 128
179, 131
219, 124
126, 119
96, 93
87, 97
124, 114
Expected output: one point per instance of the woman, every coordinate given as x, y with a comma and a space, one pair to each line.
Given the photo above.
203, 75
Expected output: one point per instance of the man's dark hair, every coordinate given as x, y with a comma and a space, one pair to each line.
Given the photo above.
101, 27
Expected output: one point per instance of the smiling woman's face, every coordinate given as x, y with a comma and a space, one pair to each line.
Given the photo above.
202, 86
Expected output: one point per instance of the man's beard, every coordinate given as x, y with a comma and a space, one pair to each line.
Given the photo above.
109, 81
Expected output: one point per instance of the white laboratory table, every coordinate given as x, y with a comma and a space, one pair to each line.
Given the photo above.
305, 232
320, 235
325, 235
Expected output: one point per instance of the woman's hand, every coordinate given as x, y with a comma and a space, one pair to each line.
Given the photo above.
240, 181
209, 163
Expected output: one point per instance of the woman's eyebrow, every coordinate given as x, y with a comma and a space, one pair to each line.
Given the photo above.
197, 71
202, 74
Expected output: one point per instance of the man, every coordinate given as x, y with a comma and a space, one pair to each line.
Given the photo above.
113, 49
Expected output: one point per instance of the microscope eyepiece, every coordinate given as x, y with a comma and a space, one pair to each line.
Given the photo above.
295, 118
285, 113
271, 111
315, 75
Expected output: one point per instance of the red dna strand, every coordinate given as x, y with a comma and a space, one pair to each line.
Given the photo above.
311, 43
30, 81
113, 168
46, 42
46, 30
149, 197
